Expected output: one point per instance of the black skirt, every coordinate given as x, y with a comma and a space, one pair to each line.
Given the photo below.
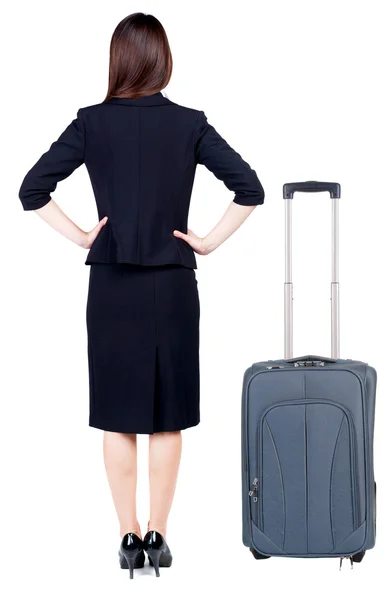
143, 348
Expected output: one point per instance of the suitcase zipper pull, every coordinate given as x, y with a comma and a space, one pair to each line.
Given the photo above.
253, 489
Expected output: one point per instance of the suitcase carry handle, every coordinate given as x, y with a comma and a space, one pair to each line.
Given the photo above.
288, 192
311, 358
289, 189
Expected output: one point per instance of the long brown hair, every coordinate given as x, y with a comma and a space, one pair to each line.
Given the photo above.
140, 58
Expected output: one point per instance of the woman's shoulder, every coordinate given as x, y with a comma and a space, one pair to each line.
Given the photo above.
194, 111
92, 107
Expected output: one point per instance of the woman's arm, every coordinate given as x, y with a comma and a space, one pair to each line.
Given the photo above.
65, 155
233, 218
54, 216
212, 151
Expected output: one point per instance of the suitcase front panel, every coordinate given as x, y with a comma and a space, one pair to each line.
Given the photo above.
306, 450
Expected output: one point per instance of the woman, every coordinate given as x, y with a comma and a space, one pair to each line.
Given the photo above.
141, 151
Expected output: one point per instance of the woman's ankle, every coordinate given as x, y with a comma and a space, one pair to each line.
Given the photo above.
131, 529
151, 526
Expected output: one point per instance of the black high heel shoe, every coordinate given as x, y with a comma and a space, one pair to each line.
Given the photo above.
131, 553
158, 551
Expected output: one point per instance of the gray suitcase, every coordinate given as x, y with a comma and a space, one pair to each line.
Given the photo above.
308, 485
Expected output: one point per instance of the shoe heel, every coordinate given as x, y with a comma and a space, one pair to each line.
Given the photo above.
154, 557
131, 560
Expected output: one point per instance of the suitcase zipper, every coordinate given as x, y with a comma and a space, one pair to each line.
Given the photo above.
254, 490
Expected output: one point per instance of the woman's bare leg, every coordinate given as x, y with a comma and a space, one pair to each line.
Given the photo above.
120, 456
164, 460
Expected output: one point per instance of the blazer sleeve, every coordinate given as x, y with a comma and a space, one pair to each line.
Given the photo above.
226, 164
64, 156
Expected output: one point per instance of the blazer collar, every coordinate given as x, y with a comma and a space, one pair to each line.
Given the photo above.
154, 100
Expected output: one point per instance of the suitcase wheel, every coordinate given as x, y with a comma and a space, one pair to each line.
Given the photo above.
357, 558
257, 555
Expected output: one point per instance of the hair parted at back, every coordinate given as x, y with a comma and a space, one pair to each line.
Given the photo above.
140, 58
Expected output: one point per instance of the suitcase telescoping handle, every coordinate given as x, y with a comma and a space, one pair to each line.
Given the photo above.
289, 190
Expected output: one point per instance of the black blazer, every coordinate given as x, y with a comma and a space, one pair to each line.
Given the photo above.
141, 155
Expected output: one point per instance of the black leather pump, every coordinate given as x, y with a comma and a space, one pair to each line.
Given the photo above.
131, 553
158, 551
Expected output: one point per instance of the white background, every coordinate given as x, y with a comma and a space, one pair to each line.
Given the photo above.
302, 90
